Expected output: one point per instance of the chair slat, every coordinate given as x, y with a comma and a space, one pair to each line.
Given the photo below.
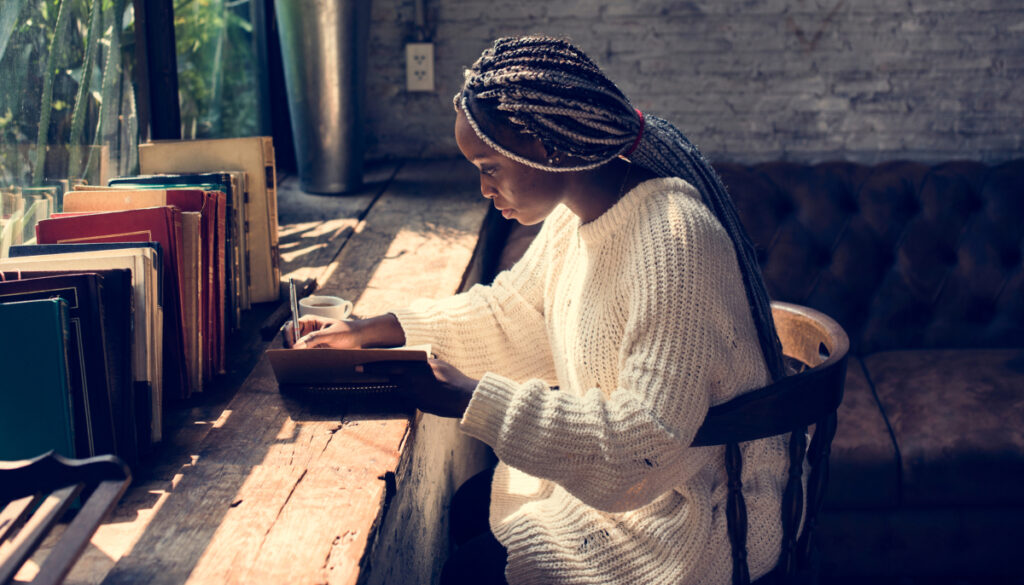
12, 516
36, 528
51, 471
797, 401
74, 540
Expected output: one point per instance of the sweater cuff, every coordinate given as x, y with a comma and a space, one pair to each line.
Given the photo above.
485, 415
417, 326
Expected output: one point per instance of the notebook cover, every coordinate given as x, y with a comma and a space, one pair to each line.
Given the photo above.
255, 156
152, 224
97, 397
35, 400
344, 376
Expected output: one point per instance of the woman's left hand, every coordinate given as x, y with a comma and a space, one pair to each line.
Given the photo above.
436, 387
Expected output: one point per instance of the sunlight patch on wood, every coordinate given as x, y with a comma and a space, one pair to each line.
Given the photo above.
287, 430
223, 418
293, 255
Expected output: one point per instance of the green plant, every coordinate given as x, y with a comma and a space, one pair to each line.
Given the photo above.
216, 76
49, 74
78, 116
65, 77
9, 11
66, 66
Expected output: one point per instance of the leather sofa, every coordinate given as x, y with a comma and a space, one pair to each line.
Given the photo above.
922, 265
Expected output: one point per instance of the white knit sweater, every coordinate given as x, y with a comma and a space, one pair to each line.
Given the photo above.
599, 354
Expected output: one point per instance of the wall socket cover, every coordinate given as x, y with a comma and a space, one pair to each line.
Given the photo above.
419, 66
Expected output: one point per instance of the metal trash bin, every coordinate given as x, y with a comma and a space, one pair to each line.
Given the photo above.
323, 48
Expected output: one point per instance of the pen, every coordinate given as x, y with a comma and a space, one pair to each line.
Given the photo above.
295, 310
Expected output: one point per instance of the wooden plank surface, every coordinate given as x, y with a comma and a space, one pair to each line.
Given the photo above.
313, 228
270, 490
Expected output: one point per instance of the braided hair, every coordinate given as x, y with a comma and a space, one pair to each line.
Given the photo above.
547, 89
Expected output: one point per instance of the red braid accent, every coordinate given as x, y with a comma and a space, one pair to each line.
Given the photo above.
639, 135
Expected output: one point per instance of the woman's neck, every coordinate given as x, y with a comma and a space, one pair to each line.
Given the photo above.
594, 192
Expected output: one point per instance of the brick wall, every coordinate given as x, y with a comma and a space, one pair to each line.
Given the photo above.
746, 80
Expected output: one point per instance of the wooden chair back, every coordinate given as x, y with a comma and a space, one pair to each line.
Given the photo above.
36, 494
818, 347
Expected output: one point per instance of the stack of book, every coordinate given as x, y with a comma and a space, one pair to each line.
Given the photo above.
127, 292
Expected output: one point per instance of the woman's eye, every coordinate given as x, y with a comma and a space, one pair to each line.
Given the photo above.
489, 171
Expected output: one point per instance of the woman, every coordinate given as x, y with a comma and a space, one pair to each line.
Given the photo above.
590, 364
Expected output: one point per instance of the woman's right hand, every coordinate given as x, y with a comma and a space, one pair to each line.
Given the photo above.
315, 331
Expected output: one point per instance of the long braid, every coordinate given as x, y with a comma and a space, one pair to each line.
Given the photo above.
548, 89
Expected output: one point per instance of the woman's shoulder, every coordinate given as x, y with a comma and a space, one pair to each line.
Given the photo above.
673, 207
667, 186
674, 236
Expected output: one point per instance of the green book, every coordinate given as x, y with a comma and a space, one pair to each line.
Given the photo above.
35, 390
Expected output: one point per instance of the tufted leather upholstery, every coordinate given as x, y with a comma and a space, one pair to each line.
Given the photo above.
902, 254
922, 265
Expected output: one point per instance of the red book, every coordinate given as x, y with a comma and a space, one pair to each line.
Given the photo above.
205, 203
152, 224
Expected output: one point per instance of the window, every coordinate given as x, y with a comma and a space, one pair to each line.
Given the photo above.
67, 109
218, 67
67, 100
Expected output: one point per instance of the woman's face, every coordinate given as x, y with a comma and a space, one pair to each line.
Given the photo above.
520, 192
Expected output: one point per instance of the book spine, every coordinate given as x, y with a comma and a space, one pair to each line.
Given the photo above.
222, 301
270, 166
247, 223
233, 246
245, 282
62, 310
209, 274
183, 366
107, 393
113, 315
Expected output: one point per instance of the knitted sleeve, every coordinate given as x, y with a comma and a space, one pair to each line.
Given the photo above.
619, 450
497, 327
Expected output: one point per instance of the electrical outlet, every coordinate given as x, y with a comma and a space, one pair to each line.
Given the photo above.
419, 66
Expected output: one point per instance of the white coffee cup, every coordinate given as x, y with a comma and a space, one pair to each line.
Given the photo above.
325, 306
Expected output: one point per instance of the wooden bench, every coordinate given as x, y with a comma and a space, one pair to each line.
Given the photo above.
254, 487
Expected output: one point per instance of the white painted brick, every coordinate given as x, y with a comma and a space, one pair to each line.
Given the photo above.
862, 87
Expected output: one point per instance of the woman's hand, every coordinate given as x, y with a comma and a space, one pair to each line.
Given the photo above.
433, 386
314, 331
448, 395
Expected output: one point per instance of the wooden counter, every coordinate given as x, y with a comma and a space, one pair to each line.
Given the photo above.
252, 487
